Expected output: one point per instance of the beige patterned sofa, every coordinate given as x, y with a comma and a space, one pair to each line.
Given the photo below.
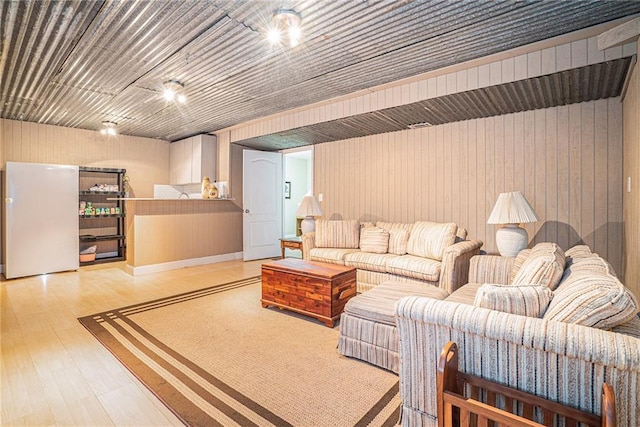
420, 253
544, 323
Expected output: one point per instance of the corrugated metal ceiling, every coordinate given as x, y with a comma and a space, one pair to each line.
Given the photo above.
77, 63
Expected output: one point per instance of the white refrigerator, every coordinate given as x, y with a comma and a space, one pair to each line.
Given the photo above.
41, 219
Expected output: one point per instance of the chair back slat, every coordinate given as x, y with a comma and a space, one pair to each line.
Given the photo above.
468, 400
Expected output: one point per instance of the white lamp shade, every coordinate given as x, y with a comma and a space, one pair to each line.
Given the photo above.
512, 208
309, 207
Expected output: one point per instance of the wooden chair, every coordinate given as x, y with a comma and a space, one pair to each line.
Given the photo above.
487, 403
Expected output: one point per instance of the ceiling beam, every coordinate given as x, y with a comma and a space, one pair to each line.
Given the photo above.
629, 31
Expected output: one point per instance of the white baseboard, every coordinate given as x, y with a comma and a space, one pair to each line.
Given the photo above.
174, 265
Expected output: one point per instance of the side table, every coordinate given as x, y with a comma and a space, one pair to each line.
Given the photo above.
291, 243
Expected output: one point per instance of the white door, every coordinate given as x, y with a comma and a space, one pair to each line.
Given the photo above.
262, 192
41, 208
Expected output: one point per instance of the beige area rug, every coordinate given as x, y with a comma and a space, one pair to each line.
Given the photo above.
216, 357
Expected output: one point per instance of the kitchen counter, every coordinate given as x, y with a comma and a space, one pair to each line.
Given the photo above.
164, 234
171, 200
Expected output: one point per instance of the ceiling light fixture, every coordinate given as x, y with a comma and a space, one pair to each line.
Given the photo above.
286, 25
109, 128
420, 125
173, 91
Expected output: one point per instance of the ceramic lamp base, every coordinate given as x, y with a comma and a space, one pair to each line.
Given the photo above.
308, 225
511, 239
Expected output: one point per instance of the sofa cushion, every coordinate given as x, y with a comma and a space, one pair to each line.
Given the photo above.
408, 226
379, 303
415, 266
330, 255
374, 239
517, 263
368, 261
530, 301
465, 294
600, 301
544, 266
430, 239
343, 234
630, 328
398, 238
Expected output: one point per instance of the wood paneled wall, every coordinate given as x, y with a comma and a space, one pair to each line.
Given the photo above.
566, 160
146, 159
631, 200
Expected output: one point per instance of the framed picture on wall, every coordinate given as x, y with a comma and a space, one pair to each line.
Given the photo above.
287, 189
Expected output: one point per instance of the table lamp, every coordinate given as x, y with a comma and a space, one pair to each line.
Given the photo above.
512, 209
309, 208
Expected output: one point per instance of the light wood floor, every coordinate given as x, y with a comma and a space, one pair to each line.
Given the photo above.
54, 372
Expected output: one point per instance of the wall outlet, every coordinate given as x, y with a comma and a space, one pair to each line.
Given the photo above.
320, 197
628, 184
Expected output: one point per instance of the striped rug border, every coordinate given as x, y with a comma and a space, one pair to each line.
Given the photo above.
126, 343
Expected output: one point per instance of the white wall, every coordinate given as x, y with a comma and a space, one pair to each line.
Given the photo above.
296, 171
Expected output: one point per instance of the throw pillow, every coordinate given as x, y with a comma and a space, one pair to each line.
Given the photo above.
543, 266
525, 300
374, 239
398, 239
342, 234
599, 301
577, 253
430, 239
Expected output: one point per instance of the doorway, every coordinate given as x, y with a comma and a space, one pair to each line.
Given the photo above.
298, 179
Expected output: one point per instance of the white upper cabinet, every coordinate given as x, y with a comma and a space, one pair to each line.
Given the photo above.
191, 159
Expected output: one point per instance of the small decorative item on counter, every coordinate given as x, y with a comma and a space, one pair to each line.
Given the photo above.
213, 191
223, 189
112, 210
206, 187
117, 210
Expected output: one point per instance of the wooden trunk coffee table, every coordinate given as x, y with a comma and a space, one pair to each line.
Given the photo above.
315, 289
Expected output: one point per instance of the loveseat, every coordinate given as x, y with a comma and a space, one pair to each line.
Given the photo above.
552, 324
424, 253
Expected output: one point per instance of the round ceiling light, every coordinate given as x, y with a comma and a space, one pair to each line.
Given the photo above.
109, 128
173, 91
286, 24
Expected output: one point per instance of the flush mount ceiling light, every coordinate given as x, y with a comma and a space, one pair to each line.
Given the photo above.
173, 90
109, 128
286, 25
420, 125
